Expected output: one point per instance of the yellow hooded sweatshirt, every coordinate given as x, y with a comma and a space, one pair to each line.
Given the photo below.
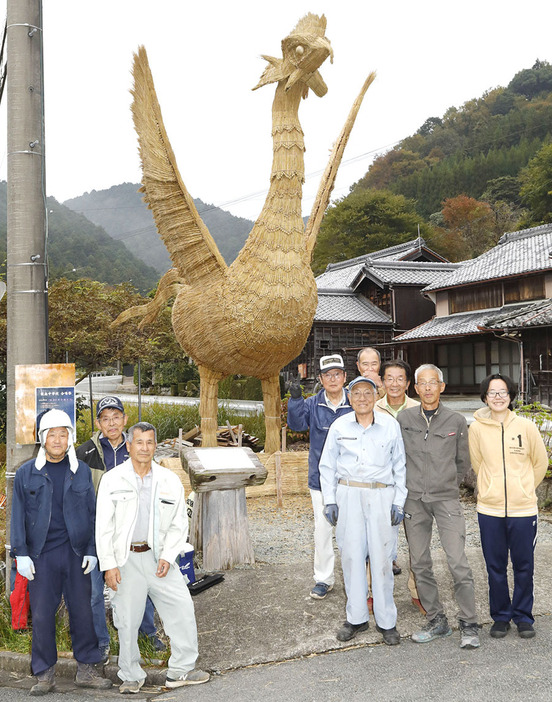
510, 460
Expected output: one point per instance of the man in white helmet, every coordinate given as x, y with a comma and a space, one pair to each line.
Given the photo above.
52, 540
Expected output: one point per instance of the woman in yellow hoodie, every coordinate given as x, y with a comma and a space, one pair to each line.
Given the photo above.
509, 458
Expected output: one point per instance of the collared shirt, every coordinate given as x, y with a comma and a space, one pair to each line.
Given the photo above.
383, 405
140, 533
113, 456
341, 402
374, 454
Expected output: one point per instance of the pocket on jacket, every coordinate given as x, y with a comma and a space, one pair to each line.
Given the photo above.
123, 495
485, 486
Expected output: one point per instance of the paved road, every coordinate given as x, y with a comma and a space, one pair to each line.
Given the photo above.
102, 385
508, 670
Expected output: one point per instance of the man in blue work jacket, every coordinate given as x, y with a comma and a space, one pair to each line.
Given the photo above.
52, 540
317, 413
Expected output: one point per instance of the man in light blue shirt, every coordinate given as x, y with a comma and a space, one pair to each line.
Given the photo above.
363, 480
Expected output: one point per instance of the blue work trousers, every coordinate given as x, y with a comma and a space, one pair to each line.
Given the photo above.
517, 537
59, 572
147, 627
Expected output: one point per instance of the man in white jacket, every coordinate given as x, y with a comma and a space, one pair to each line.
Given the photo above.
141, 528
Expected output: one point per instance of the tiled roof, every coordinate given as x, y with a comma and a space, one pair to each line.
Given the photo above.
459, 324
339, 278
341, 271
526, 251
345, 306
407, 272
538, 314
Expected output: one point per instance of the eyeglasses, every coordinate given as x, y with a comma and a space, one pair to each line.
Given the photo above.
332, 376
394, 381
428, 383
111, 420
497, 393
357, 394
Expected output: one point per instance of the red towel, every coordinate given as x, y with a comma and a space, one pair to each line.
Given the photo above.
20, 605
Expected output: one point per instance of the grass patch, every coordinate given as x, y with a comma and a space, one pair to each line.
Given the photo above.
168, 419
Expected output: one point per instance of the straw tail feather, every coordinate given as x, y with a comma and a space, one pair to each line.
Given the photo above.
190, 245
169, 286
328, 179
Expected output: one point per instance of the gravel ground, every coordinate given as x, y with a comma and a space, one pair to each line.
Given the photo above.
284, 536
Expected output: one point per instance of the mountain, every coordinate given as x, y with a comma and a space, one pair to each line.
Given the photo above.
477, 150
122, 213
77, 248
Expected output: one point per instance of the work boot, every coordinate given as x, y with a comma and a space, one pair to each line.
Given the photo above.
348, 631
88, 676
436, 628
469, 635
45, 683
391, 637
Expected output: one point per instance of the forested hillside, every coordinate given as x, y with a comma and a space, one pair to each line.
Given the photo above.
122, 213
466, 177
79, 249
469, 147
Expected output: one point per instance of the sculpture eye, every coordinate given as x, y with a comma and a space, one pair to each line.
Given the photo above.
299, 50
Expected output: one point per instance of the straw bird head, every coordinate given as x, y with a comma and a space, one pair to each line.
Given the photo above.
304, 50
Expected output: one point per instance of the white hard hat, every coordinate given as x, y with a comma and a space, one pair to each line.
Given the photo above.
51, 420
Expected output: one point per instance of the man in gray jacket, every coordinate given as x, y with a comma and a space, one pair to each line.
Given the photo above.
437, 458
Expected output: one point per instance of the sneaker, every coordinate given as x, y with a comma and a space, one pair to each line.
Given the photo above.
45, 683
397, 570
525, 630
131, 687
470, 635
370, 603
348, 631
320, 590
499, 630
434, 629
88, 676
416, 602
391, 637
193, 677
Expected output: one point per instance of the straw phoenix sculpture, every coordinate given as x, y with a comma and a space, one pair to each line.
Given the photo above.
252, 317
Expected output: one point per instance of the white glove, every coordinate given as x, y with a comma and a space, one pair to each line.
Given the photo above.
89, 563
25, 567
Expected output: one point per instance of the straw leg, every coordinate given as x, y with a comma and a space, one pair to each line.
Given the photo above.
272, 407
208, 405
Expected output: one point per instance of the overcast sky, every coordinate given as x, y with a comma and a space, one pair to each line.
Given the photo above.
205, 58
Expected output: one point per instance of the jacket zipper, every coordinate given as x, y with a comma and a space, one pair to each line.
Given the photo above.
504, 470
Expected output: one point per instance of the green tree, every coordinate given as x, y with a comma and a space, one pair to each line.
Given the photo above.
532, 81
536, 186
80, 315
365, 221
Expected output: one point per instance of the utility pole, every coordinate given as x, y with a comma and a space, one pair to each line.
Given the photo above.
27, 228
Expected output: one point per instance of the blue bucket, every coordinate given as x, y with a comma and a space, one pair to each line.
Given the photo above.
186, 563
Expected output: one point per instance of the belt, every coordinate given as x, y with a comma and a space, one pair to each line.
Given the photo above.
139, 548
355, 483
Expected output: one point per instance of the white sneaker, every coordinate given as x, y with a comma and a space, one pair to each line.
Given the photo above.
131, 687
193, 677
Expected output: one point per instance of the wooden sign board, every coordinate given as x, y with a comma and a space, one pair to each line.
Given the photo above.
222, 468
39, 387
